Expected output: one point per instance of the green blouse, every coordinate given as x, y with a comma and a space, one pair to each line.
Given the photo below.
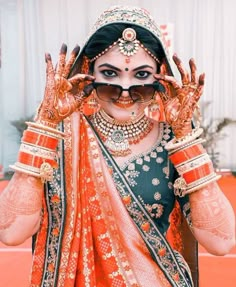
151, 176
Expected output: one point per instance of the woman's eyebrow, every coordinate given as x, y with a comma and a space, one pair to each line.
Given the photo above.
143, 67
109, 66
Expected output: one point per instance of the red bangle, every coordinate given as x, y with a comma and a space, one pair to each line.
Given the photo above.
197, 173
39, 140
186, 154
34, 161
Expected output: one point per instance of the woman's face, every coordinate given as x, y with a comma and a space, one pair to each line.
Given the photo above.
115, 68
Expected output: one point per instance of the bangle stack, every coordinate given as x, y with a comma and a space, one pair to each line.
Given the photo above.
38, 151
192, 163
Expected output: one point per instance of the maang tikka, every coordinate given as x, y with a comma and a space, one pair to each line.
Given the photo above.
128, 45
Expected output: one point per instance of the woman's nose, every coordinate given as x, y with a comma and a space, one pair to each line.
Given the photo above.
125, 93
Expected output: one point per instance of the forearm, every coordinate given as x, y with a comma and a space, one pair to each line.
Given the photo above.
213, 219
20, 208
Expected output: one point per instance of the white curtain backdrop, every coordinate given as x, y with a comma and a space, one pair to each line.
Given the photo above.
203, 29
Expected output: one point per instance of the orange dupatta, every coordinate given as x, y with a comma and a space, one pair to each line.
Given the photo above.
87, 237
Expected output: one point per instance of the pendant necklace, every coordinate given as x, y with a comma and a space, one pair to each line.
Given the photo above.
119, 135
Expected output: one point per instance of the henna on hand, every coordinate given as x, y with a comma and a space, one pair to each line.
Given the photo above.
61, 97
180, 108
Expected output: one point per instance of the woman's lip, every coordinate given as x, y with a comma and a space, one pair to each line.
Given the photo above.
124, 104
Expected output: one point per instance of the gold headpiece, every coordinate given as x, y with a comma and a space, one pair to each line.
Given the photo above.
128, 45
128, 15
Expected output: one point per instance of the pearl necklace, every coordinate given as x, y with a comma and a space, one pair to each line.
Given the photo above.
118, 135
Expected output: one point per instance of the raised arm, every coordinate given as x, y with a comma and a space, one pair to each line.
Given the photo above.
21, 201
212, 216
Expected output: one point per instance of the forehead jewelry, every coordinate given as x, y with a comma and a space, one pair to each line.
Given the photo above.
128, 46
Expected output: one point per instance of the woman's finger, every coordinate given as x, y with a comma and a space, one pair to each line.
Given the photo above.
62, 60
169, 79
88, 90
183, 72
50, 78
201, 79
70, 61
193, 70
80, 78
49, 67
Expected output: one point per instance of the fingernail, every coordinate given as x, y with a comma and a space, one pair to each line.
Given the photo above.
63, 48
47, 57
88, 89
76, 49
89, 78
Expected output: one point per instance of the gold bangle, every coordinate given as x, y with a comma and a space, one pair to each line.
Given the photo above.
45, 172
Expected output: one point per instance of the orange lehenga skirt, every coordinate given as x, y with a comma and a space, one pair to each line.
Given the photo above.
87, 237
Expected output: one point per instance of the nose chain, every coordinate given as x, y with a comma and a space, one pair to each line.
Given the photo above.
119, 135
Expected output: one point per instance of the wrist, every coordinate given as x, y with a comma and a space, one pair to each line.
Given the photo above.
46, 123
183, 131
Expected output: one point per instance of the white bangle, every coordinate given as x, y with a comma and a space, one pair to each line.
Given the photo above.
177, 143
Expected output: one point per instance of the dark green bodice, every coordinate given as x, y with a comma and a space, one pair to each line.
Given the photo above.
151, 176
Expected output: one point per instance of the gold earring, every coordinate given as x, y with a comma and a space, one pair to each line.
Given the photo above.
92, 102
153, 110
91, 105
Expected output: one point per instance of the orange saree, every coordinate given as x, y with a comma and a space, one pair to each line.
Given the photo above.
87, 237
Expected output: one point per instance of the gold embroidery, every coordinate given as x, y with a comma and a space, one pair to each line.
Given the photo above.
155, 210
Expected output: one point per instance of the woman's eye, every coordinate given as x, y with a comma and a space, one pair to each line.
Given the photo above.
142, 74
109, 73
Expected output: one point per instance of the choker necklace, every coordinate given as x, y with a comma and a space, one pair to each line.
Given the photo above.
118, 135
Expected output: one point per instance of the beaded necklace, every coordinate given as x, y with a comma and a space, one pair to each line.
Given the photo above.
118, 135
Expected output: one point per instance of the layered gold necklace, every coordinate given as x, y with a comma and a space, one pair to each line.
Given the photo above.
119, 135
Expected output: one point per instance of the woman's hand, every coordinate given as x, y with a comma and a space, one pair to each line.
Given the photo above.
62, 96
180, 108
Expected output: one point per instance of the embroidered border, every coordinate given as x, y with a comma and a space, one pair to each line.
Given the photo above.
159, 248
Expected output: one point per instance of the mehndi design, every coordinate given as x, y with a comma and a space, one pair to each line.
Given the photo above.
180, 108
61, 96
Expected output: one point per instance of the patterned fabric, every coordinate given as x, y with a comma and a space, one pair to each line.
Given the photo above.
129, 15
171, 262
86, 233
99, 225
151, 177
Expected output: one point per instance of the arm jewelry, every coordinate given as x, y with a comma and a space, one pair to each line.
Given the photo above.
210, 209
37, 158
38, 155
192, 163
